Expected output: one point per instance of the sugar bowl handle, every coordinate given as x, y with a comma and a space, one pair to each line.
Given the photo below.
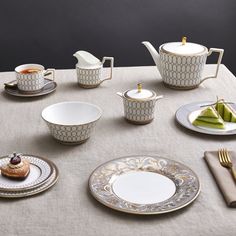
221, 52
120, 94
158, 97
111, 59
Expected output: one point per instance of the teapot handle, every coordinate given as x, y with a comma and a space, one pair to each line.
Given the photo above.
221, 52
111, 59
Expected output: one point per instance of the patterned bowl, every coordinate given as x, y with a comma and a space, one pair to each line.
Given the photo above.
71, 122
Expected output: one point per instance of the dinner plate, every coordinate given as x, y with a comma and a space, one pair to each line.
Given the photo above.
186, 114
144, 185
49, 88
40, 171
29, 192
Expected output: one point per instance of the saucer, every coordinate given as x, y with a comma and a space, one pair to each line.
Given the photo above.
44, 91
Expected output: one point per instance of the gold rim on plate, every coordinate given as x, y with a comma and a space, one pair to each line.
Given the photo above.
186, 182
19, 194
45, 166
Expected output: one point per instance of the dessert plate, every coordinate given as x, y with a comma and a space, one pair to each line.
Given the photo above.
46, 90
40, 171
187, 113
25, 193
144, 185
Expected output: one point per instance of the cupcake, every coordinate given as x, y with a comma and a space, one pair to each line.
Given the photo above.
17, 168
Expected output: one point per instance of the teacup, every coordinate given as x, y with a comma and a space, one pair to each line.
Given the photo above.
30, 77
92, 76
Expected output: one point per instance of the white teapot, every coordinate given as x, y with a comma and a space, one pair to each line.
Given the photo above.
181, 63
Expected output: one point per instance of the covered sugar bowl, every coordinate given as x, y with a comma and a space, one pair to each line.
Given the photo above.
139, 105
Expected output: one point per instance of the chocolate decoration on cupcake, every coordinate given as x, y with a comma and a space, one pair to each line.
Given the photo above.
16, 159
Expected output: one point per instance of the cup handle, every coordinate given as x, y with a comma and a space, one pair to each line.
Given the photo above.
47, 73
111, 59
221, 52
50, 72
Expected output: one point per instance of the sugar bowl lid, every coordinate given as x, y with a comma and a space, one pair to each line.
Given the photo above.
140, 93
183, 48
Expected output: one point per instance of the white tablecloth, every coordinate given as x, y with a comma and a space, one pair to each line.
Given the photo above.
68, 208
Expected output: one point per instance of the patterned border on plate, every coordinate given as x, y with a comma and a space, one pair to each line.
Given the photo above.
44, 166
18, 194
186, 181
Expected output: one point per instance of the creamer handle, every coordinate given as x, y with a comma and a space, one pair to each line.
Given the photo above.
111, 59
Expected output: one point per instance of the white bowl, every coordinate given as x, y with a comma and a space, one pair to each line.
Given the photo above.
71, 122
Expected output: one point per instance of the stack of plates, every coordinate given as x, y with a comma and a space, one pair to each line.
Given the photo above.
43, 175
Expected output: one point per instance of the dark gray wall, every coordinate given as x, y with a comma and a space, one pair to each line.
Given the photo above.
49, 32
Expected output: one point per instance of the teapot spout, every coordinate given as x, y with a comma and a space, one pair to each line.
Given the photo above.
155, 55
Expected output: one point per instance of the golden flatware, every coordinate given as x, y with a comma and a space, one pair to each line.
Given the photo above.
225, 161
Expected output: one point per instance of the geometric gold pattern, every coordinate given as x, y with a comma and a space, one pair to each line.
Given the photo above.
89, 76
139, 111
71, 133
30, 82
182, 71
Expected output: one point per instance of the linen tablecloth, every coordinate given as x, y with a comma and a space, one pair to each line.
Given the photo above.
68, 208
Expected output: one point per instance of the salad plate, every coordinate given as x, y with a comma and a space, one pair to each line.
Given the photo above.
40, 171
29, 192
144, 185
186, 114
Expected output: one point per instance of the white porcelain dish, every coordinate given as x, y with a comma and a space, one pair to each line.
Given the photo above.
52, 180
144, 185
186, 114
71, 122
40, 171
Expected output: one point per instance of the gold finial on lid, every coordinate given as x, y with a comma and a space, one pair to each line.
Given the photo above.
184, 40
139, 87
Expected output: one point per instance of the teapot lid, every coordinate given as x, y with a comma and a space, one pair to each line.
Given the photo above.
139, 93
183, 48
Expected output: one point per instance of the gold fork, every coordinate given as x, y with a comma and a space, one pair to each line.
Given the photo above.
226, 161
